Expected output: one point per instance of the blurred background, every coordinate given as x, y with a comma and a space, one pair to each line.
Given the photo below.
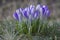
7, 7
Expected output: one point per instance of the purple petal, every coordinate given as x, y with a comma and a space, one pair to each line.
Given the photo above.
25, 13
45, 11
32, 8
15, 15
45, 7
36, 14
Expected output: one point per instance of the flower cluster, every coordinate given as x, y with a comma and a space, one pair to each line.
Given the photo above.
32, 12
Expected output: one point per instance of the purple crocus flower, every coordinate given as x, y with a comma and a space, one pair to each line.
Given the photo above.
31, 9
15, 15
32, 12
26, 13
45, 11
39, 8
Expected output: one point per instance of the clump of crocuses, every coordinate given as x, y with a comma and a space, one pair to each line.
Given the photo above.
32, 12
35, 23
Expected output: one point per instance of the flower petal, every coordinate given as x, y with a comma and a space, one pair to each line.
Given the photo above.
25, 12
32, 8
38, 7
36, 14
45, 11
15, 15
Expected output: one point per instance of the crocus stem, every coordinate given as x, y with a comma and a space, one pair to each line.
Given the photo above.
29, 26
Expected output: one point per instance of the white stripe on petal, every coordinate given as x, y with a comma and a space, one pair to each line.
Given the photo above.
44, 6
32, 6
38, 7
21, 10
17, 11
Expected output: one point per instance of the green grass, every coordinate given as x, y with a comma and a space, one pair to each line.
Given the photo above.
29, 30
